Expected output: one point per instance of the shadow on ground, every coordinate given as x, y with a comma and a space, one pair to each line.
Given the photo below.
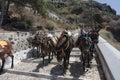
75, 70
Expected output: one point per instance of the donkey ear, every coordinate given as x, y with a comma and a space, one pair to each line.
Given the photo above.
103, 26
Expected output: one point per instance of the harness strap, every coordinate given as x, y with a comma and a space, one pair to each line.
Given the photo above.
67, 45
63, 53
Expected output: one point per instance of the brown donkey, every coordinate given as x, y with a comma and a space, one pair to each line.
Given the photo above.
5, 48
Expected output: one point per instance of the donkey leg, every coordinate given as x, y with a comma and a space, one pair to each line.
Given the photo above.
52, 54
39, 51
68, 58
43, 56
64, 63
49, 57
83, 61
12, 57
88, 60
12, 64
3, 63
33, 54
93, 49
83, 64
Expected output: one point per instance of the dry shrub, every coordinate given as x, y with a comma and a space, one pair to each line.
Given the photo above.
50, 25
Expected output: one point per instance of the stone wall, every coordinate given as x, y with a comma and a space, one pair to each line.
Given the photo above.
19, 43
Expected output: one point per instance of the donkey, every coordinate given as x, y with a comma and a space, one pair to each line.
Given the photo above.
94, 35
64, 47
84, 43
48, 44
33, 42
5, 48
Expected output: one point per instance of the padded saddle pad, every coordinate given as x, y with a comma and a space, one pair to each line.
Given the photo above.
3, 43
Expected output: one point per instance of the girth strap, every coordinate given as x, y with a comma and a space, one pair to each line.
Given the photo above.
63, 53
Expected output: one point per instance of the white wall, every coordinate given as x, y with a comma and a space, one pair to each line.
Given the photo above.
111, 57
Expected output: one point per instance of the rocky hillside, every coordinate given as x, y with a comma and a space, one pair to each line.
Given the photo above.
82, 12
70, 13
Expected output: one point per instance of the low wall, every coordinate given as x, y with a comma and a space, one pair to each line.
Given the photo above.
110, 59
20, 45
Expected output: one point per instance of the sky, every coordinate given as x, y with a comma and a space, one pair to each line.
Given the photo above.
115, 4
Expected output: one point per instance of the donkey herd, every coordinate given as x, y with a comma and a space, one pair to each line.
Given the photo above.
61, 47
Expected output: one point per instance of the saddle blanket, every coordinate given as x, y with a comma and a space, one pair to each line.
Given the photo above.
2, 44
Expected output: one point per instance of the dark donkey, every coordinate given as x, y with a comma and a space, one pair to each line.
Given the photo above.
48, 44
5, 48
83, 43
94, 35
51, 44
63, 48
34, 42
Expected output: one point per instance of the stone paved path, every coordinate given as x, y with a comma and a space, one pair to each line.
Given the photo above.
33, 69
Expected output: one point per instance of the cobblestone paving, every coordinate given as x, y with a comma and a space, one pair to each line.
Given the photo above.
33, 69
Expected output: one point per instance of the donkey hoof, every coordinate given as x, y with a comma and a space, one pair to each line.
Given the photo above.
88, 66
48, 61
2, 71
86, 70
11, 67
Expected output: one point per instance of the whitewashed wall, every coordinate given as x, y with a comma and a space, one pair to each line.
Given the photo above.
111, 58
20, 45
